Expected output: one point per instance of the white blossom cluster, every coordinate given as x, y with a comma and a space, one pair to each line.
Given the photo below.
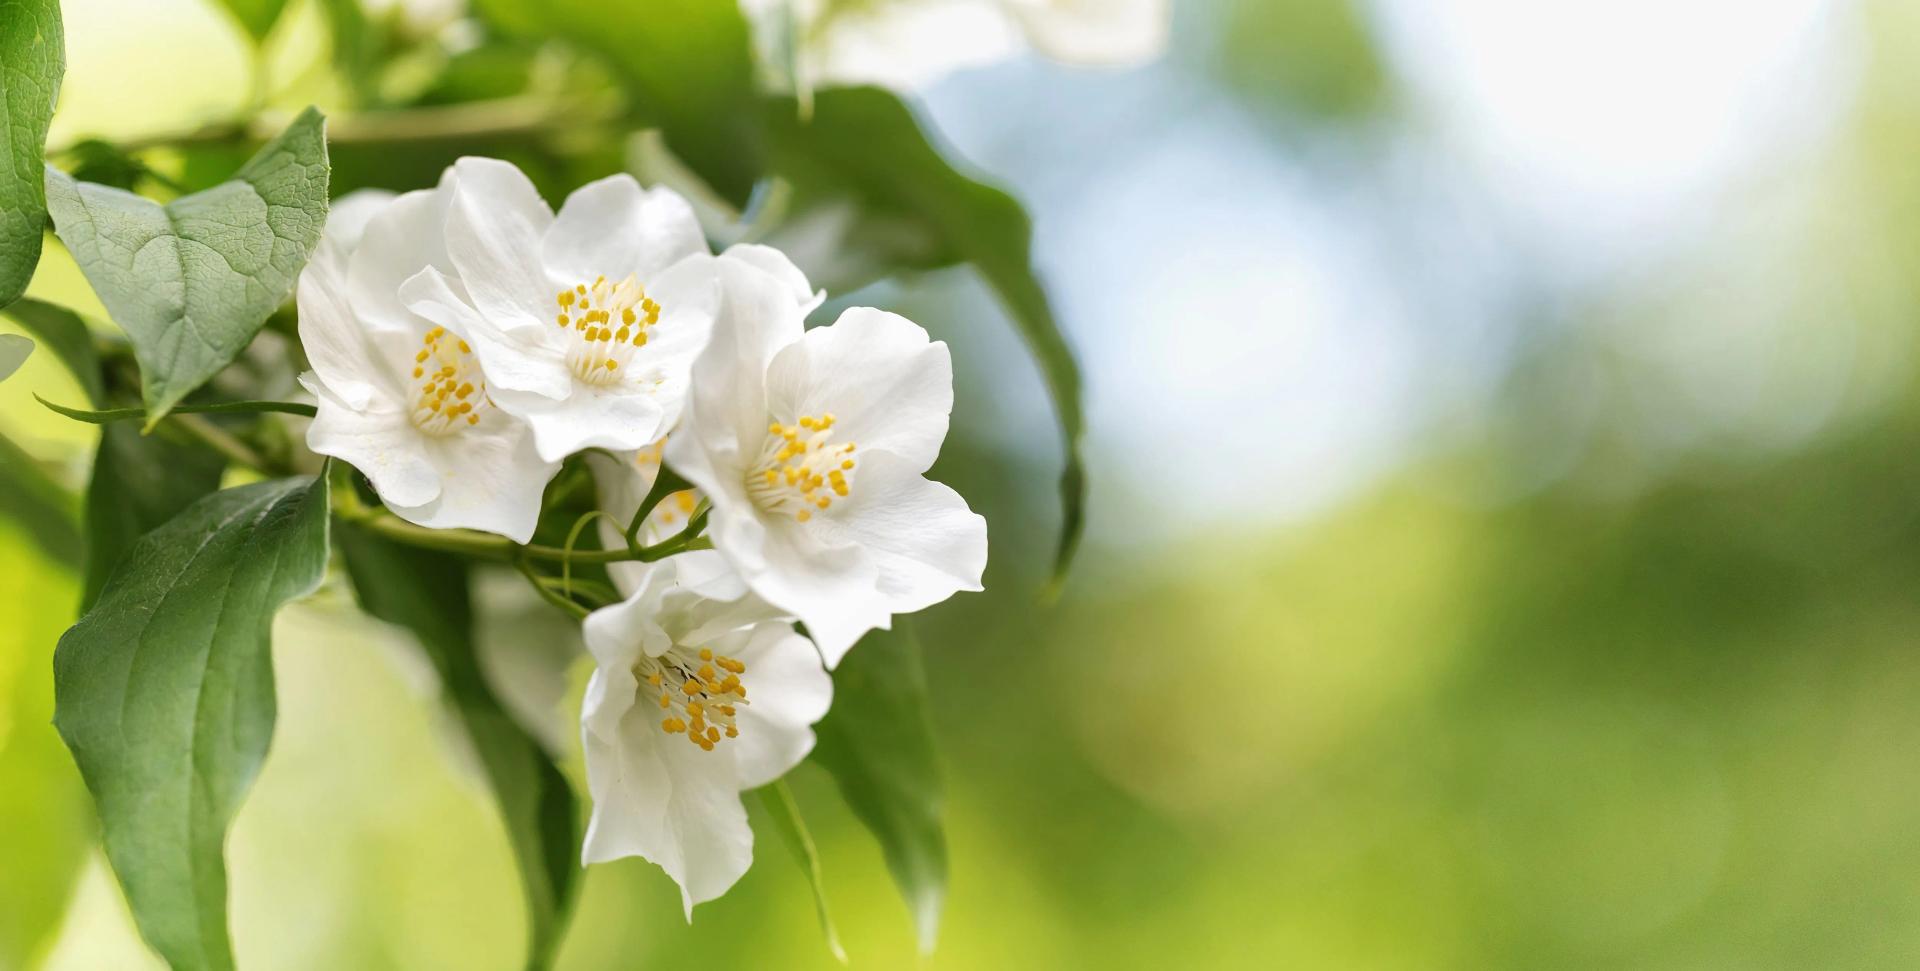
466, 339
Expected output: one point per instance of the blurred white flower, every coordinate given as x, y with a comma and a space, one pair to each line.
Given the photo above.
905, 44
693, 701
401, 398
811, 447
585, 323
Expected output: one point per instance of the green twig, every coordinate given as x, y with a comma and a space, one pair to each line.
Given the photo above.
546, 592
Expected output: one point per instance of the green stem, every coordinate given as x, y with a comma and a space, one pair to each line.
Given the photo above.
517, 115
547, 593
487, 546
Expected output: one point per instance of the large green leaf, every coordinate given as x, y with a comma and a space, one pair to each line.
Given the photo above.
687, 66
878, 745
191, 282
863, 145
139, 482
257, 16
164, 693
427, 593
33, 56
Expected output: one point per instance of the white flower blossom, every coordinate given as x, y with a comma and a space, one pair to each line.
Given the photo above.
906, 44
811, 447
693, 700
584, 323
402, 398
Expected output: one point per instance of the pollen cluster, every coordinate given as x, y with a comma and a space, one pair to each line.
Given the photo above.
451, 387
607, 323
801, 468
700, 693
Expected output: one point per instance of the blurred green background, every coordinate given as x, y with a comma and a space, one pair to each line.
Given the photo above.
1505, 542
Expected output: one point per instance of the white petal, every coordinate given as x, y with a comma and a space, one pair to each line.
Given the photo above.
612, 228
347, 216
334, 341
927, 544
511, 360
789, 691
814, 575
381, 442
689, 296
670, 803
590, 418
402, 239
491, 479
888, 387
775, 263
494, 227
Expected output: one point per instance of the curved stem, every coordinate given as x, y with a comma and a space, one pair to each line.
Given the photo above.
547, 593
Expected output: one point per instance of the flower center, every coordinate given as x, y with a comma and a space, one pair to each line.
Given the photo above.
607, 323
801, 468
451, 387
704, 688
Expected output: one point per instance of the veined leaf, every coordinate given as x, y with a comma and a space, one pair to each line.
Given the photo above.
863, 145
878, 745
427, 593
687, 66
192, 281
33, 56
256, 16
164, 693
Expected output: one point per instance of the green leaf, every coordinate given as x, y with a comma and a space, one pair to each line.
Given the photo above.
781, 808
66, 336
427, 593
44, 509
164, 693
107, 416
14, 351
256, 16
139, 482
878, 745
687, 67
864, 146
191, 282
33, 57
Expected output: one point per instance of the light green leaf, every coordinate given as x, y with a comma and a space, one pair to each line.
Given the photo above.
107, 416
33, 56
14, 351
256, 16
781, 808
164, 693
191, 282
878, 745
66, 336
687, 66
864, 146
428, 593
43, 509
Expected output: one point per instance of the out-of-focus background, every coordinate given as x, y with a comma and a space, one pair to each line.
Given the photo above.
1504, 548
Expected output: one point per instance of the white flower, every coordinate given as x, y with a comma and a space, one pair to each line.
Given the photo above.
905, 44
693, 701
584, 323
401, 398
811, 446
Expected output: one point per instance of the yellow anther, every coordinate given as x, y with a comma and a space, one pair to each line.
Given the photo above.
733, 732
673, 725
733, 665
418, 372
706, 672
565, 298
627, 316
691, 688
612, 365
803, 515
706, 654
